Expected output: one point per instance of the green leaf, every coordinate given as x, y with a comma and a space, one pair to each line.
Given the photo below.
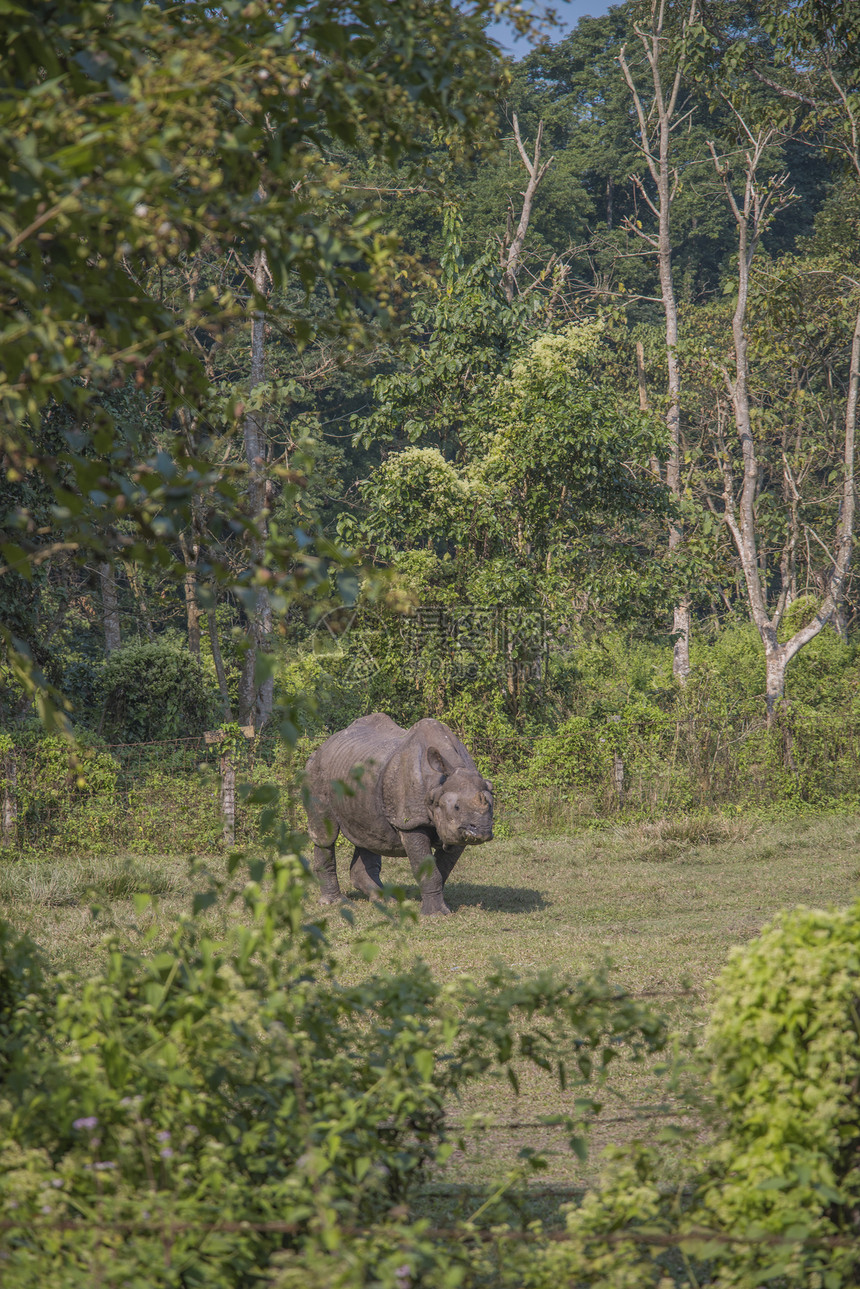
424, 1063
17, 559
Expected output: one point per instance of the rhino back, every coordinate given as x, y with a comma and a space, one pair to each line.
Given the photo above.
366, 746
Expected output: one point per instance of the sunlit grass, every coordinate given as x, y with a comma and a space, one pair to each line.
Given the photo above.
665, 901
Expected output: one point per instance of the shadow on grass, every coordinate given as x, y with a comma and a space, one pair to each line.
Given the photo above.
495, 899
444, 1203
461, 895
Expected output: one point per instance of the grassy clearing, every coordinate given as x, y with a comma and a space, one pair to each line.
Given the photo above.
665, 901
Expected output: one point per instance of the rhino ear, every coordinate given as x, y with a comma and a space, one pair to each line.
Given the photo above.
437, 762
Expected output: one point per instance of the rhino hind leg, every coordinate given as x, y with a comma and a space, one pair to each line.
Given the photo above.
325, 869
364, 871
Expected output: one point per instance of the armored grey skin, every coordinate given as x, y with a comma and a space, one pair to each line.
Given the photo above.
413, 792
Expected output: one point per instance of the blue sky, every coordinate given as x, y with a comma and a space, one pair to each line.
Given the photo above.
568, 11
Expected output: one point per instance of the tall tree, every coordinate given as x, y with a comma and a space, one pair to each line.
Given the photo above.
659, 117
514, 240
134, 136
742, 511
256, 683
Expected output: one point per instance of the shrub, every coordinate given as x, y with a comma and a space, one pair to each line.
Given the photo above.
59, 801
575, 756
785, 1045
219, 1112
155, 691
774, 1197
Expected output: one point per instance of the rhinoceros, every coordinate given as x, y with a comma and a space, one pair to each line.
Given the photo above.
392, 791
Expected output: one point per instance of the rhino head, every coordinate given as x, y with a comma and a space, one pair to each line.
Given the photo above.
461, 804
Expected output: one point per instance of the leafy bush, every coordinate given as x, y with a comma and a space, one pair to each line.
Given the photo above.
59, 798
773, 1197
220, 1111
155, 691
575, 756
785, 1044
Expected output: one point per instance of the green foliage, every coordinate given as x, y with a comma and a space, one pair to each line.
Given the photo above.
565, 450
155, 691
772, 1198
22, 979
143, 147
98, 127
798, 615
607, 1236
575, 756
416, 498
63, 801
505, 513
460, 344
784, 1040
211, 1108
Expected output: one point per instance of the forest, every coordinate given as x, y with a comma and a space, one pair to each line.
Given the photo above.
350, 365
569, 388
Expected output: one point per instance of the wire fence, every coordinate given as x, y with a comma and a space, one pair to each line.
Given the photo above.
174, 795
662, 765
185, 794
647, 1234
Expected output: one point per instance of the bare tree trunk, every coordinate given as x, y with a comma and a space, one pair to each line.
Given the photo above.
191, 550
110, 608
640, 376
643, 398
143, 607
776, 663
512, 246
618, 778
192, 610
655, 127
219, 665
256, 699
751, 214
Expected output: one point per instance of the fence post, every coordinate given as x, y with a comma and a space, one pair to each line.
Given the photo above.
228, 798
617, 768
227, 769
618, 776
9, 806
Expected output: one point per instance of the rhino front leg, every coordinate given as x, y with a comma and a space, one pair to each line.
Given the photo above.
325, 869
446, 858
419, 850
364, 871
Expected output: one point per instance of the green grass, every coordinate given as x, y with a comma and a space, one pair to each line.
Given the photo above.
664, 901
